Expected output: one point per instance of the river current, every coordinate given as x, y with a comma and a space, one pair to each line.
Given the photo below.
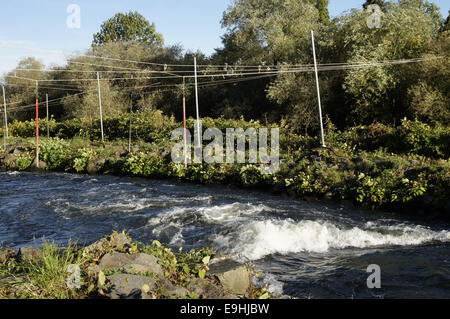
305, 250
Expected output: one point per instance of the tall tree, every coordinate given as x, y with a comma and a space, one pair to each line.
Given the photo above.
23, 92
408, 30
446, 26
274, 32
128, 27
380, 3
322, 6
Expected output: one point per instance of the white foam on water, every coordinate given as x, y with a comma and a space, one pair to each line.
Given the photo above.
230, 213
222, 214
275, 287
257, 239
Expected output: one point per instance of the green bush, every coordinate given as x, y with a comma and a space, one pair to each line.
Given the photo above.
55, 153
24, 161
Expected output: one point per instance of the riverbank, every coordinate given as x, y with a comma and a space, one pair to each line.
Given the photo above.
404, 169
115, 267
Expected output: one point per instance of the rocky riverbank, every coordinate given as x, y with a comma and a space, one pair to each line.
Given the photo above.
116, 267
408, 185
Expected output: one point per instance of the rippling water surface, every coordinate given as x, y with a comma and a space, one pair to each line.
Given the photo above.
306, 250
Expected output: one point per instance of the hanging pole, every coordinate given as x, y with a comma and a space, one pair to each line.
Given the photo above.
318, 89
100, 104
46, 106
184, 122
131, 116
6, 116
196, 105
37, 124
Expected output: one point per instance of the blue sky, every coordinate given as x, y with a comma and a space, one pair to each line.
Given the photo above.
38, 28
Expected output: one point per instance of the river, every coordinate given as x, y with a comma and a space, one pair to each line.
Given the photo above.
305, 250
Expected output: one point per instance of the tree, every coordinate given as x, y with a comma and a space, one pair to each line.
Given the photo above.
128, 27
268, 33
271, 31
380, 3
23, 92
87, 105
322, 6
446, 26
380, 93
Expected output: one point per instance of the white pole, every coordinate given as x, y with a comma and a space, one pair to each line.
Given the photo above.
6, 116
318, 89
131, 116
184, 123
100, 103
46, 106
196, 105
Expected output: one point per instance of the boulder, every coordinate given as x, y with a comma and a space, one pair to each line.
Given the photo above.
93, 271
94, 166
233, 276
19, 150
136, 264
208, 290
170, 290
10, 161
41, 167
124, 286
28, 254
118, 241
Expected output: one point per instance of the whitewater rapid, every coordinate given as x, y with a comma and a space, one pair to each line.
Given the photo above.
307, 250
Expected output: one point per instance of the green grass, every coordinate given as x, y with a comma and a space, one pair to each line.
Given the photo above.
43, 278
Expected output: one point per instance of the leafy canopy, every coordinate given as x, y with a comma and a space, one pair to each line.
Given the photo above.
128, 27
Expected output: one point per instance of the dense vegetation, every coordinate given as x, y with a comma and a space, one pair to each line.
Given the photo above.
274, 34
386, 125
375, 166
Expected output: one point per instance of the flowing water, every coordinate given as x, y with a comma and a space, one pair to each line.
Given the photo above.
305, 250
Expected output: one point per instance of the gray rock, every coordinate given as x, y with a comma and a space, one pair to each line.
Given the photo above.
28, 254
10, 161
41, 167
19, 150
170, 290
208, 290
123, 286
117, 241
233, 276
137, 264
93, 271
94, 166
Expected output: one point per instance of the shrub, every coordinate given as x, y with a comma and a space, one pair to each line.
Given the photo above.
54, 153
24, 161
